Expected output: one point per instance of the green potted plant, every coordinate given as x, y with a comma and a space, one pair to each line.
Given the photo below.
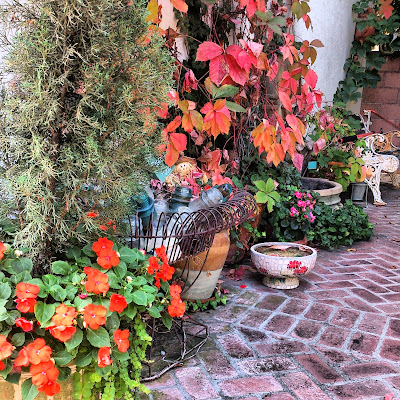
86, 317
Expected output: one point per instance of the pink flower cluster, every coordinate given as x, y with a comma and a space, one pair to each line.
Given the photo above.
305, 203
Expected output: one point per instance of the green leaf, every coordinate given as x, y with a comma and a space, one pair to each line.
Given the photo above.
73, 253
139, 297
61, 268
130, 311
22, 264
88, 251
260, 185
98, 337
18, 339
5, 291
44, 312
58, 293
270, 186
113, 322
83, 359
120, 270
154, 312
28, 390
75, 340
64, 373
230, 105
130, 255
62, 357
13, 378
167, 320
225, 91
120, 356
261, 197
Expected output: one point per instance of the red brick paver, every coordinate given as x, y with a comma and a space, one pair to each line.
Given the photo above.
336, 337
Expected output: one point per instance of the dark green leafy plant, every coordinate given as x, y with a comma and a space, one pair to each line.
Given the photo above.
341, 227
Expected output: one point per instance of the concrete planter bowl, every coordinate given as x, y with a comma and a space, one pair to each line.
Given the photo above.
282, 272
329, 191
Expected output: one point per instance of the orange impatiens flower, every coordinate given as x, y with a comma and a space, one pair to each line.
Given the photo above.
166, 273
65, 315
94, 316
162, 254
43, 373
22, 360
108, 258
97, 281
6, 348
38, 352
153, 265
62, 333
27, 291
26, 305
177, 308
2, 250
24, 324
102, 244
50, 388
104, 357
121, 339
175, 291
117, 303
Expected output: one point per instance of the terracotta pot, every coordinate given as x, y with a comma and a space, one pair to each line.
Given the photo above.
200, 279
237, 254
302, 241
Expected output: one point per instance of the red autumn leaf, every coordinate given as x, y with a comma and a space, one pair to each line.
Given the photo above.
311, 78
319, 145
385, 8
238, 74
244, 59
218, 69
297, 127
208, 50
179, 140
162, 111
253, 6
285, 100
180, 5
217, 118
190, 81
173, 125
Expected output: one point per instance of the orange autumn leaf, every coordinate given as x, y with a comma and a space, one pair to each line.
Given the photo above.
176, 141
285, 100
217, 118
191, 118
386, 8
264, 136
180, 5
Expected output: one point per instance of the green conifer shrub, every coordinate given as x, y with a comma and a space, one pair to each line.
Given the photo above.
78, 115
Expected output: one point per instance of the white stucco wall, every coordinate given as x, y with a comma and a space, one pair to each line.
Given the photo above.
332, 22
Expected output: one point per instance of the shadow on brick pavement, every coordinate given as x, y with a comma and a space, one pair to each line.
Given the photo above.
337, 336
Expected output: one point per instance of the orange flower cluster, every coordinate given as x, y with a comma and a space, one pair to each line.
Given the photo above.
2, 250
94, 316
97, 281
26, 297
106, 256
164, 272
177, 307
44, 373
6, 349
104, 357
121, 339
64, 321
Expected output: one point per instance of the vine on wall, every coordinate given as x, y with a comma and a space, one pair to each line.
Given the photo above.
377, 27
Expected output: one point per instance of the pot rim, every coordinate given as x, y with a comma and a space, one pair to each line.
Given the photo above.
254, 251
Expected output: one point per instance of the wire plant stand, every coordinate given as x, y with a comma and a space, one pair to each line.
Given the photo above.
185, 236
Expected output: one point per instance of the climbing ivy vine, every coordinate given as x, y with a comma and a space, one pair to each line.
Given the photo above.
377, 30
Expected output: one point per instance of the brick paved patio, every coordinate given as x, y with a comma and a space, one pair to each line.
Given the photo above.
337, 336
